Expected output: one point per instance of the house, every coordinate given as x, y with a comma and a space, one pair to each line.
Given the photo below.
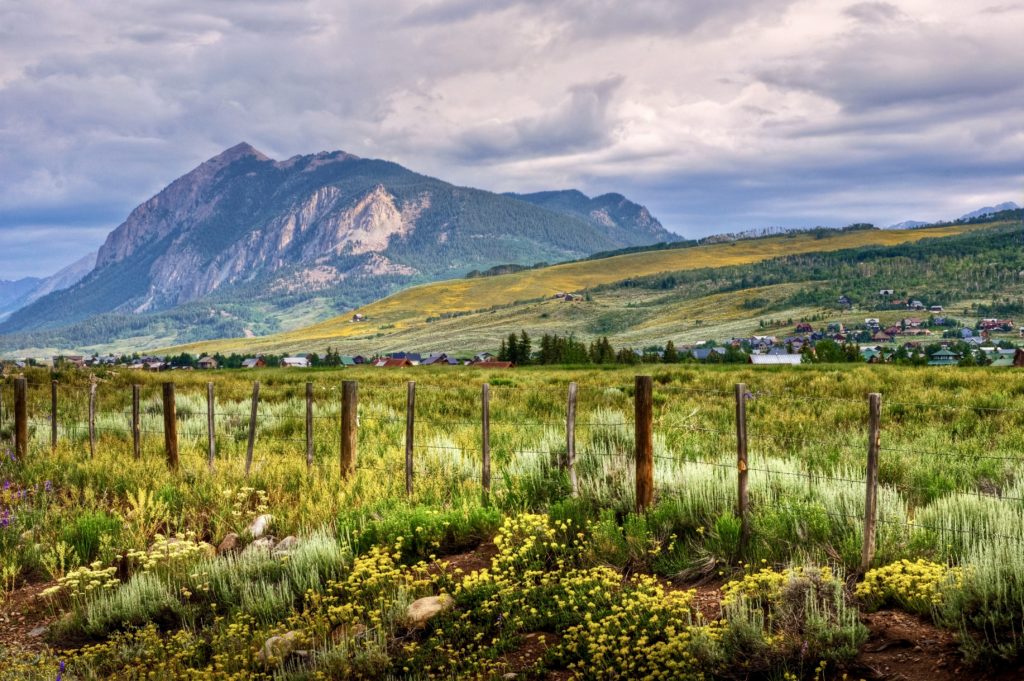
493, 364
1018, 358
295, 362
886, 292
440, 359
915, 305
845, 301
393, 362
74, 360
872, 322
360, 359
482, 357
966, 333
944, 357
881, 337
872, 355
804, 327
784, 358
894, 330
704, 354
935, 308
996, 325
254, 363
207, 362
413, 357
346, 361
155, 365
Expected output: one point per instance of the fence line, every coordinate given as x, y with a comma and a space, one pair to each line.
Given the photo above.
294, 416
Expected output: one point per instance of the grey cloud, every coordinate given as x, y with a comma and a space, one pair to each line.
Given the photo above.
873, 12
606, 18
878, 68
582, 121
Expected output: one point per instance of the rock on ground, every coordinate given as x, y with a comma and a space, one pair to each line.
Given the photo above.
229, 543
260, 525
423, 610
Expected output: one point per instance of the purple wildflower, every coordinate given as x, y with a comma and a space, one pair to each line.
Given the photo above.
60, 671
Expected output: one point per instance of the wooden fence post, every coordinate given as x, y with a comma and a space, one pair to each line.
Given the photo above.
570, 440
349, 426
20, 418
252, 426
53, 415
485, 442
871, 480
643, 397
742, 497
211, 425
92, 417
170, 426
410, 433
136, 422
309, 426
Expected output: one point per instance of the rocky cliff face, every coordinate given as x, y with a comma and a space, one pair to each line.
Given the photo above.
243, 224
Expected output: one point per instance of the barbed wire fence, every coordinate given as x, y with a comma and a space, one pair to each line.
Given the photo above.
325, 425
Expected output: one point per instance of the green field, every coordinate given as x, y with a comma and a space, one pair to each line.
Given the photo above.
490, 307
574, 586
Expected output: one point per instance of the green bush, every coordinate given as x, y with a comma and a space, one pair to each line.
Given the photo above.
86, 533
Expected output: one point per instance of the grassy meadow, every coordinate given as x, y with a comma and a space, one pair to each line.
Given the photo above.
119, 552
488, 305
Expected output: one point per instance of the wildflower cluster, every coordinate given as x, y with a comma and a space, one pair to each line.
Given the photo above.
246, 502
169, 554
919, 585
766, 585
81, 583
642, 615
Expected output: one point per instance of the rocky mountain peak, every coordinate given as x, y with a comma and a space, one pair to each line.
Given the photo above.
239, 151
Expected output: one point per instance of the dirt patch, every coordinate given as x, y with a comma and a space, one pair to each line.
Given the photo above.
460, 565
531, 650
24, 617
903, 647
707, 600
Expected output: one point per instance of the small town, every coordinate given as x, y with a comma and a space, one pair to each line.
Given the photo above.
933, 340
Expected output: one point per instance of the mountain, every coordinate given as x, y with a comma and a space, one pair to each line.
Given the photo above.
248, 238
613, 214
990, 210
908, 224
15, 295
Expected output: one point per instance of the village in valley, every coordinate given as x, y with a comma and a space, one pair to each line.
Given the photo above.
908, 332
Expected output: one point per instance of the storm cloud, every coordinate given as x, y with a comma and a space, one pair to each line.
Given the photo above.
717, 115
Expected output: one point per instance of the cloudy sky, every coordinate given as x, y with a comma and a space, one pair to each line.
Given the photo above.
718, 115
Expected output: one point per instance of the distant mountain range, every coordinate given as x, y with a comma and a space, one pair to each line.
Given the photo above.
990, 210
986, 211
15, 295
246, 242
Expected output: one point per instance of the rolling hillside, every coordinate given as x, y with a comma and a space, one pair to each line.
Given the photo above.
473, 314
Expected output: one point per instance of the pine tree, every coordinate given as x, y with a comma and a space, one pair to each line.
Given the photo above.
671, 356
524, 348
